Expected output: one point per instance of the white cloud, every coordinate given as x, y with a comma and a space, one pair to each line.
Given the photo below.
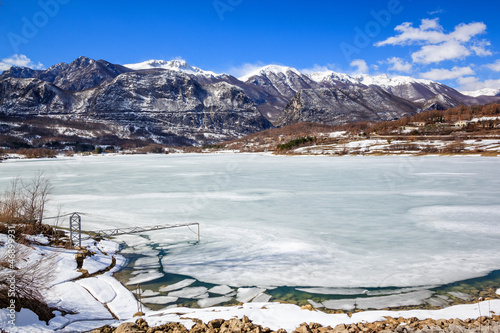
437, 11
362, 67
436, 44
399, 65
317, 68
19, 60
245, 69
430, 24
494, 66
430, 31
450, 50
464, 32
446, 74
479, 48
471, 83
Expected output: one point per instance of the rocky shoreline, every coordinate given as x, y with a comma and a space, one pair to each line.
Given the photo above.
245, 325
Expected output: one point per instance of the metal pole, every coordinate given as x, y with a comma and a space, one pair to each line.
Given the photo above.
75, 226
198, 233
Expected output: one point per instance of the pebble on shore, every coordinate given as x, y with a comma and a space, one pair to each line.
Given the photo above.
245, 325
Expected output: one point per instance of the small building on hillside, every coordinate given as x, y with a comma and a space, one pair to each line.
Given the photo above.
461, 123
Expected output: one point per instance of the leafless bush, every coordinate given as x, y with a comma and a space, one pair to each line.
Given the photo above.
25, 201
30, 278
429, 149
454, 148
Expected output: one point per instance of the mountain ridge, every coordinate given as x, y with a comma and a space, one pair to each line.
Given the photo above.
164, 98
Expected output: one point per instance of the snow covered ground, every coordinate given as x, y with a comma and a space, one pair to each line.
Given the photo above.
383, 146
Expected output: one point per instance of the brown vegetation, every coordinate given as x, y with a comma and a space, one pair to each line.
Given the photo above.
25, 201
430, 125
21, 213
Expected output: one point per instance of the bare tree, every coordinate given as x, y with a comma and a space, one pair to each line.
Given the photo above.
25, 201
36, 192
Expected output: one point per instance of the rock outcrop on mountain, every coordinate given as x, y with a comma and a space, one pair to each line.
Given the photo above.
334, 106
280, 84
159, 103
283, 83
83, 73
440, 102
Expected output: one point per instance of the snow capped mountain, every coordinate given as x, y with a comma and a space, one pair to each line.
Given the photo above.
174, 65
82, 73
334, 106
174, 102
269, 70
383, 80
386, 81
482, 92
281, 83
332, 78
441, 102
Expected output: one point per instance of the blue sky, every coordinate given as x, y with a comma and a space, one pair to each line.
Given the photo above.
454, 42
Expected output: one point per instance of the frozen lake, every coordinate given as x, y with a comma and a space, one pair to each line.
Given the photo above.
337, 225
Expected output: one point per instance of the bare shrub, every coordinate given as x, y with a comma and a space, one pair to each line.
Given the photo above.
25, 201
31, 279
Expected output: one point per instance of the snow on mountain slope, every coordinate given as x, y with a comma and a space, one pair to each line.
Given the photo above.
385, 81
332, 78
415, 90
280, 84
335, 106
482, 92
175, 65
271, 69
279, 81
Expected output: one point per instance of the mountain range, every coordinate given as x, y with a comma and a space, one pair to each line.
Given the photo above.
175, 103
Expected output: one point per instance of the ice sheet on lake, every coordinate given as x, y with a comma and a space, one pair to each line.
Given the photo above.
262, 298
132, 240
247, 294
148, 293
145, 277
462, 296
337, 220
147, 262
191, 292
159, 300
221, 290
178, 285
207, 302
381, 302
333, 291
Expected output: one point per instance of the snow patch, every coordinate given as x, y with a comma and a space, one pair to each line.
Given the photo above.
99, 289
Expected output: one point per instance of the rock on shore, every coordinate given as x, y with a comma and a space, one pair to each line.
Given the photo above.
245, 325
